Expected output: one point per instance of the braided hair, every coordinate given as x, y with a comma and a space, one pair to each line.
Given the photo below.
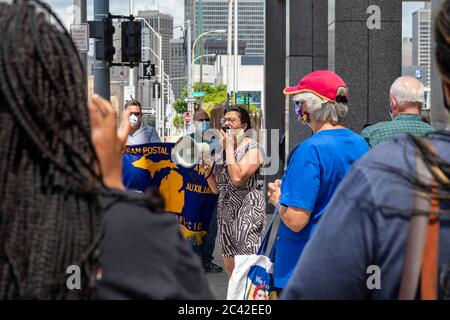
50, 185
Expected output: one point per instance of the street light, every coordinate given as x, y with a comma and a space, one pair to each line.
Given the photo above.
204, 56
199, 57
220, 31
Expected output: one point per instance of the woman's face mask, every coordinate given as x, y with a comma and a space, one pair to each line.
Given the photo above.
302, 115
134, 120
202, 126
238, 133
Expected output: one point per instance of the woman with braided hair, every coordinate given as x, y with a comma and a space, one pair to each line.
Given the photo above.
62, 201
360, 250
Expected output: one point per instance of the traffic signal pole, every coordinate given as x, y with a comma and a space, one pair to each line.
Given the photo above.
81, 17
101, 68
131, 70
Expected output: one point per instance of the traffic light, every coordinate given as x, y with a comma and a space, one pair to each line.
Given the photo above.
109, 44
149, 70
103, 31
131, 41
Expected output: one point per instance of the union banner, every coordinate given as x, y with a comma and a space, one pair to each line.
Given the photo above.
185, 191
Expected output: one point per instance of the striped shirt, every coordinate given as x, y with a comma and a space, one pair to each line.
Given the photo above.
403, 123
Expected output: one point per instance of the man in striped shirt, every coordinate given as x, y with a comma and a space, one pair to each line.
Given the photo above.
406, 100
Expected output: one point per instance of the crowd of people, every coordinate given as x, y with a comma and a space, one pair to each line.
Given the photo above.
346, 202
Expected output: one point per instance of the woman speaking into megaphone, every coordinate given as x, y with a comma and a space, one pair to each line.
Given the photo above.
239, 183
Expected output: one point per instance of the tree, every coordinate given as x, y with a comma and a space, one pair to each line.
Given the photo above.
178, 121
214, 96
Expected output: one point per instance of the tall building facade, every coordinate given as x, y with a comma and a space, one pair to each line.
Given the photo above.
189, 14
215, 16
177, 73
421, 41
163, 24
407, 51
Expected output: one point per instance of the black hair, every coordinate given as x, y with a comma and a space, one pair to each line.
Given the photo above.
133, 103
442, 35
50, 186
243, 115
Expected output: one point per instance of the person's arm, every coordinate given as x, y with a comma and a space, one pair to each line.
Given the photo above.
335, 261
294, 218
212, 183
240, 171
107, 140
299, 189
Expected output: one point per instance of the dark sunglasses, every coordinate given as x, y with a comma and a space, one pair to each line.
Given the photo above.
203, 120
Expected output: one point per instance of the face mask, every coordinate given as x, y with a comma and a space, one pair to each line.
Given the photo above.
303, 116
202, 126
133, 121
390, 113
238, 133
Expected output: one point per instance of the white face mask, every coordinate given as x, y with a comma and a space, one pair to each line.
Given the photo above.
133, 121
238, 133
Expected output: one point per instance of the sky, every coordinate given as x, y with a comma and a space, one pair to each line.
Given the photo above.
64, 8
408, 9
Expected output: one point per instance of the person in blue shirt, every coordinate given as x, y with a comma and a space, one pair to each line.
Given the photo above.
315, 168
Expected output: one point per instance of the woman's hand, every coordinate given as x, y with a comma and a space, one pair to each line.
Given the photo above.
107, 141
205, 168
226, 140
274, 192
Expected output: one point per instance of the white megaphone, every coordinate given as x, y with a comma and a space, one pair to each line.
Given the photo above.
187, 153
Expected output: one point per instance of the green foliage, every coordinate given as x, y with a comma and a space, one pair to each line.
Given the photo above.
214, 96
178, 121
179, 106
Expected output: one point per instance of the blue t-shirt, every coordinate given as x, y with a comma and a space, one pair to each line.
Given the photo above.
315, 170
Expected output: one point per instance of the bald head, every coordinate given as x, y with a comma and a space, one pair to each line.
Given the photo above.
407, 96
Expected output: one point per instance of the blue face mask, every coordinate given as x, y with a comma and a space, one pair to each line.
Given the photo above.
205, 126
202, 126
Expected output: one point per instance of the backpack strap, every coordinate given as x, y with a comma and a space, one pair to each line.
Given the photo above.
429, 276
422, 246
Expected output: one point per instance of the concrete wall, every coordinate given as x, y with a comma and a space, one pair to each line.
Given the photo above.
368, 60
307, 51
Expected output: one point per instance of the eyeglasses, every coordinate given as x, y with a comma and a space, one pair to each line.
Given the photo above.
298, 107
202, 120
225, 120
298, 103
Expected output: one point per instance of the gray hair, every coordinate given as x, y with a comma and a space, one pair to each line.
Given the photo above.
408, 91
322, 110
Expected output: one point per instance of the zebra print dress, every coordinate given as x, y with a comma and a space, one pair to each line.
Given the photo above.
241, 210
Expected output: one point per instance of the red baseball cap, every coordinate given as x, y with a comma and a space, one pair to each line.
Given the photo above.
323, 83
